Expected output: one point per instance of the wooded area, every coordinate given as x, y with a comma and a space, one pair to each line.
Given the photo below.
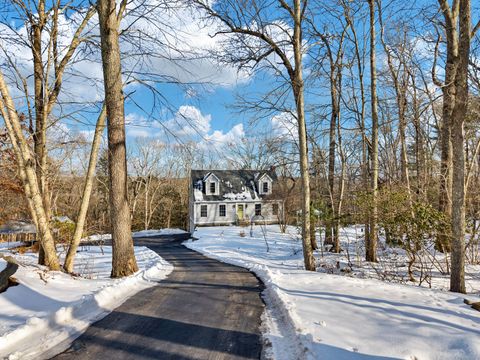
378, 103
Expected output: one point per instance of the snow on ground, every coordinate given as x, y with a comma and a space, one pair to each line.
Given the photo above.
318, 315
41, 316
138, 234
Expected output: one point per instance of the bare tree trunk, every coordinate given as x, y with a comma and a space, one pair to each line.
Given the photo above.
298, 90
87, 191
17, 137
420, 162
371, 246
341, 180
457, 278
123, 259
40, 138
449, 95
329, 236
362, 116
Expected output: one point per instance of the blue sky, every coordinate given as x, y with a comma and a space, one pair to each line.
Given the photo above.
210, 105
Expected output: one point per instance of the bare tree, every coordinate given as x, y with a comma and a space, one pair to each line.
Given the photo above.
123, 259
87, 191
28, 175
371, 246
248, 23
50, 61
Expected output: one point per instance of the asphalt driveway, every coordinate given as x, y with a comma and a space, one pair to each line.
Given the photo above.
205, 309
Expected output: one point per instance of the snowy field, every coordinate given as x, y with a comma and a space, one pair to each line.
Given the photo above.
344, 311
41, 316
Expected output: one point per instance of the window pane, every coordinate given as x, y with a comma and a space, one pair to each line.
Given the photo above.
258, 209
265, 187
222, 210
212, 188
203, 211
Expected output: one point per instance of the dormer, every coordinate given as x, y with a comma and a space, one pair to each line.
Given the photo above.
265, 185
212, 184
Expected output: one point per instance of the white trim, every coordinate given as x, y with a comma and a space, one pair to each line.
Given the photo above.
265, 174
210, 174
219, 214
206, 206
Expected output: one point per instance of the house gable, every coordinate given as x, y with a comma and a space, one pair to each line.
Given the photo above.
231, 185
212, 184
265, 184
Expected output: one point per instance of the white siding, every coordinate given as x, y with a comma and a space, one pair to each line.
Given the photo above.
213, 212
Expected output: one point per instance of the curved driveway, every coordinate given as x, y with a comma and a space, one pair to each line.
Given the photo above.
205, 309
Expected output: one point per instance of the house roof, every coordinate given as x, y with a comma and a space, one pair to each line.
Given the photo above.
234, 184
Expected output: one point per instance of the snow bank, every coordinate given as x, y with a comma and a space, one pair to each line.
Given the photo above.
48, 310
312, 315
155, 232
138, 234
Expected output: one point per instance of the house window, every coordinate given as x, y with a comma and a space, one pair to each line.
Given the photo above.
275, 209
222, 209
258, 209
203, 211
265, 187
212, 188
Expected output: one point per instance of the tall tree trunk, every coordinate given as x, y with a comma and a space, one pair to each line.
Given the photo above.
298, 90
457, 278
123, 259
87, 191
420, 158
361, 121
329, 236
39, 137
371, 246
17, 137
449, 96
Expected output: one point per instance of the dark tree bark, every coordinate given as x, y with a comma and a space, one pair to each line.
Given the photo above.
123, 259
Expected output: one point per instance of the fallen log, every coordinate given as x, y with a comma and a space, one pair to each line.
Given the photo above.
12, 267
474, 305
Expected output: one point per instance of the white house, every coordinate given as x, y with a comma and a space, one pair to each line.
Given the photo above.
224, 197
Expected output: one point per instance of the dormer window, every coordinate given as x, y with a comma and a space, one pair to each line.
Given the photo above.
212, 185
265, 187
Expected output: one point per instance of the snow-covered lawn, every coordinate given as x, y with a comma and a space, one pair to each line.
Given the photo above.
47, 310
347, 315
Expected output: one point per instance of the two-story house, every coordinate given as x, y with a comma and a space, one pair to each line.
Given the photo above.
224, 197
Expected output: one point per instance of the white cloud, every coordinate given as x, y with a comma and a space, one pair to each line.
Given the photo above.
219, 139
284, 125
177, 42
188, 124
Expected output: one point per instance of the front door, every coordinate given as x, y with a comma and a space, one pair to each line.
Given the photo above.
240, 211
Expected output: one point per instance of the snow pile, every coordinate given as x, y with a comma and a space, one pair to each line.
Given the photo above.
154, 232
197, 194
48, 310
312, 315
244, 195
17, 226
138, 234
4, 246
